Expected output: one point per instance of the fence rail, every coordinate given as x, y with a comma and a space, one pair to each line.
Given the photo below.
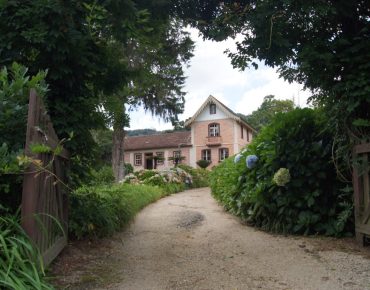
361, 178
44, 196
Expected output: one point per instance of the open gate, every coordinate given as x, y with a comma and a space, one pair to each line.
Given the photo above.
361, 178
44, 197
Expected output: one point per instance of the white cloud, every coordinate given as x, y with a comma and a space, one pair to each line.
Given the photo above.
211, 73
272, 85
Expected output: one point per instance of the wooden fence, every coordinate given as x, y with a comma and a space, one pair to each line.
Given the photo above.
361, 178
44, 197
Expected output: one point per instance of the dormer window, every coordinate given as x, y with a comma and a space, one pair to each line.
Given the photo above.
212, 109
214, 130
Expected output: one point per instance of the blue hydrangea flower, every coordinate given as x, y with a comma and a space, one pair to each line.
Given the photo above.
251, 161
237, 158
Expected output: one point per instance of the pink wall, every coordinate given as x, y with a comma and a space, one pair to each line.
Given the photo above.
226, 138
168, 152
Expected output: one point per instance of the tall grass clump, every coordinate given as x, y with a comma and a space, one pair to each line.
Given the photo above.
21, 264
98, 211
285, 180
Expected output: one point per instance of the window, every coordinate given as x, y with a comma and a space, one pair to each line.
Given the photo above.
223, 153
212, 109
160, 156
206, 154
242, 132
176, 157
138, 159
247, 135
214, 130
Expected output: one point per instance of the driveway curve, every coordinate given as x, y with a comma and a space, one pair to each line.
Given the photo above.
187, 241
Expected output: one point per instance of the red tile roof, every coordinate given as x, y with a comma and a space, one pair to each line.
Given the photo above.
166, 140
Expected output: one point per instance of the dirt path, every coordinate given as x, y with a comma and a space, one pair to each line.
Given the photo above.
187, 241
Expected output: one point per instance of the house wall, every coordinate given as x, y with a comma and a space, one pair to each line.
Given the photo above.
242, 142
230, 138
200, 133
168, 152
206, 116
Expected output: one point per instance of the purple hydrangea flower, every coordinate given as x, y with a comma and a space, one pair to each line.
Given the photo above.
251, 161
237, 158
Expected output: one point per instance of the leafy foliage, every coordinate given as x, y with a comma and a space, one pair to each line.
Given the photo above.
199, 176
101, 208
311, 202
322, 44
203, 163
79, 43
129, 168
102, 176
266, 112
20, 263
103, 152
161, 178
98, 211
15, 85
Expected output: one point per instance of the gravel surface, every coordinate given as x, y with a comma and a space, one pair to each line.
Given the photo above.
187, 241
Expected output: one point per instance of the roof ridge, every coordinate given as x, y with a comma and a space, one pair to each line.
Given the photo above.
163, 133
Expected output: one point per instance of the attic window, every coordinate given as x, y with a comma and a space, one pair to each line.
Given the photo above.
212, 109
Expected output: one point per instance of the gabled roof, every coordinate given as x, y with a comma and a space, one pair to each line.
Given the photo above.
212, 100
158, 141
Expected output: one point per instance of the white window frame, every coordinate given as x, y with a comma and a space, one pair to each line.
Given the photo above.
161, 155
138, 161
223, 153
214, 130
207, 154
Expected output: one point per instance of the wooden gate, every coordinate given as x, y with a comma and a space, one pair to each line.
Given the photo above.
361, 178
44, 196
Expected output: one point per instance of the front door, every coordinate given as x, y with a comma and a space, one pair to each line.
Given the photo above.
149, 160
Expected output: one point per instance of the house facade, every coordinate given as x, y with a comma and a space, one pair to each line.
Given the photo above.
216, 133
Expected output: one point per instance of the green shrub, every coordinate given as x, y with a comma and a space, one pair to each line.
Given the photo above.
20, 263
200, 176
97, 211
103, 176
145, 174
310, 201
129, 168
15, 88
203, 163
170, 188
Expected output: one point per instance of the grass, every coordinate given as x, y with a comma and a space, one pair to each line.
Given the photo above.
21, 264
98, 211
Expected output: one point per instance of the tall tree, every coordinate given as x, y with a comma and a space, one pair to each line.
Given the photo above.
156, 63
59, 36
268, 109
321, 44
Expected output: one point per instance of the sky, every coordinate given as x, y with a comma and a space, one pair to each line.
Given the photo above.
211, 73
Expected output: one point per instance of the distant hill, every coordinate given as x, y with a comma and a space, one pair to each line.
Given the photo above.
139, 132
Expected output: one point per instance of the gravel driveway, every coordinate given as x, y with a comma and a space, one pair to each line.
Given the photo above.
187, 241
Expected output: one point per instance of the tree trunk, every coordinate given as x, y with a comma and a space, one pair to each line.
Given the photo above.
118, 154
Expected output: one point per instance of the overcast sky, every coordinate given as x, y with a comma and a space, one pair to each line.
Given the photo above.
211, 73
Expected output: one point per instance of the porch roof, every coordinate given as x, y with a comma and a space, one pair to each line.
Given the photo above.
158, 141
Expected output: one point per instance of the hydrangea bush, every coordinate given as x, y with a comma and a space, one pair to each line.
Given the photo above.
251, 161
291, 185
281, 177
174, 175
